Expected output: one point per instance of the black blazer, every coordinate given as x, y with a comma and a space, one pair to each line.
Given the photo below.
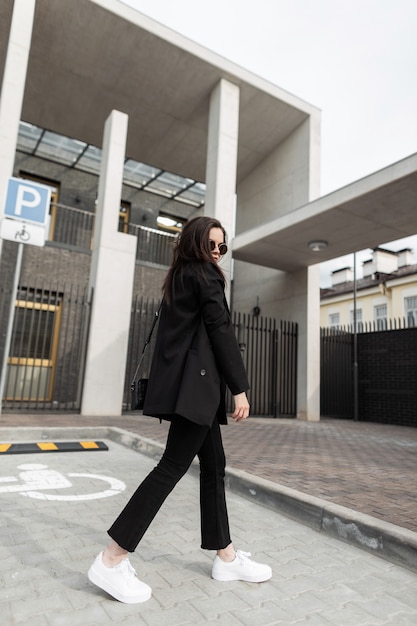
196, 352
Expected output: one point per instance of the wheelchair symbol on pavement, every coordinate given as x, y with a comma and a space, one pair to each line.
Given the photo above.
35, 479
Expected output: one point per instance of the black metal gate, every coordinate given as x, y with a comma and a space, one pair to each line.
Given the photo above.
45, 364
141, 317
269, 351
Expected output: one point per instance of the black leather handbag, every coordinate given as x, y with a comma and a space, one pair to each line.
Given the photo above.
138, 386
138, 392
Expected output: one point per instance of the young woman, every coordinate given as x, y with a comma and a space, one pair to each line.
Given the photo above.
196, 355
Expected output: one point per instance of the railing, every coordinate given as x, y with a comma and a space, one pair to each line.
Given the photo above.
74, 227
154, 246
71, 227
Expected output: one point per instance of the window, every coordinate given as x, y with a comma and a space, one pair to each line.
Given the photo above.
33, 350
380, 316
170, 223
358, 315
124, 216
334, 320
410, 310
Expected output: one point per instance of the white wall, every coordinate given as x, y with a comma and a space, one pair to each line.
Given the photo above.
287, 179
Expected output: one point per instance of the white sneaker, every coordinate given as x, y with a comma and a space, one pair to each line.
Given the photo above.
119, 581
242, 568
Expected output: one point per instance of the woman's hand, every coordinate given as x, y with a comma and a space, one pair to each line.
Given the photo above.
242, 407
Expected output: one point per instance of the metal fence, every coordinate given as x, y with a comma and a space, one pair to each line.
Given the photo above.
45, 365
269, 351
336, 373
141, 318
287, 339
395, 323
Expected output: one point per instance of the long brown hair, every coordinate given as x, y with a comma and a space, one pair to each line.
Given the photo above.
192, 247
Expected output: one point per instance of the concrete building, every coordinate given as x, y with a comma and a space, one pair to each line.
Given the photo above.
387, 291
98, 72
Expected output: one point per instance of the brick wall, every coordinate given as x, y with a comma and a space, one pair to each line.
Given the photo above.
387, 372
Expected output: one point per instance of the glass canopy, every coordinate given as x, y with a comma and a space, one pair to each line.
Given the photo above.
80, 155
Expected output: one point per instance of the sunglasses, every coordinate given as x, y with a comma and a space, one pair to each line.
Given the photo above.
222, 247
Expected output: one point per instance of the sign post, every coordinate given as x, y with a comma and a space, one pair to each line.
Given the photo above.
25, 221
10, 323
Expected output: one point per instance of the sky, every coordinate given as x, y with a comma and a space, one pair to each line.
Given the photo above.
355, 60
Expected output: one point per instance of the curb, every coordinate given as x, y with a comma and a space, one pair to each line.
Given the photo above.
388, 541
393, 543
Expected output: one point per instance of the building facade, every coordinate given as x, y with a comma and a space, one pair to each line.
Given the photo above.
387, 291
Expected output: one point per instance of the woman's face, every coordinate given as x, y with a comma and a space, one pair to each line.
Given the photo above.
216, 235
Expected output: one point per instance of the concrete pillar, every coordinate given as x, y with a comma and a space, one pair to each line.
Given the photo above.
13, 88
111, 282
309, 400
222, 161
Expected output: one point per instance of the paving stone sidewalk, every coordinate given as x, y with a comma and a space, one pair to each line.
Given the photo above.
47, 546
370, 468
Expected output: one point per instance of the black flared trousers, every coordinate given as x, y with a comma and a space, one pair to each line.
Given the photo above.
185, 441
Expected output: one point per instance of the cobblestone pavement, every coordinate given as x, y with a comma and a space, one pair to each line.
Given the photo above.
47, 545
370, 468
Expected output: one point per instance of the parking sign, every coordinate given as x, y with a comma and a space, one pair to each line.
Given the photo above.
27, 201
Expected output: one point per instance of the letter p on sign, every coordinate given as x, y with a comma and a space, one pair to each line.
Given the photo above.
27, 201
27, 198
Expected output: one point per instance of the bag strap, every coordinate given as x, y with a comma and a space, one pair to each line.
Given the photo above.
155, 319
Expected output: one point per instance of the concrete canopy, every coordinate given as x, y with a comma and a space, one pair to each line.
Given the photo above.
89, 57
379, 208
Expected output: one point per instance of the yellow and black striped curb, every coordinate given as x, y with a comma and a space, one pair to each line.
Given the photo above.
49, 446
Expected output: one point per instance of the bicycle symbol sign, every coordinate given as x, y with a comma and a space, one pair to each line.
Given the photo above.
36, 480
23, 232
